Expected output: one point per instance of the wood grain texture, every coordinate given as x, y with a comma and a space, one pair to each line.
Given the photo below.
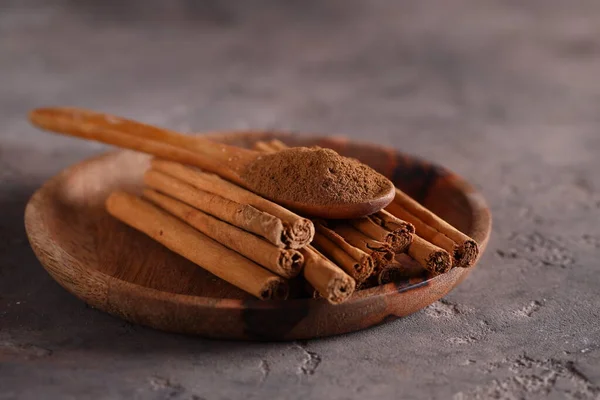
118, 270
226, 160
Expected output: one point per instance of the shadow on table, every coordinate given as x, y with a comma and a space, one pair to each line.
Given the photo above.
36, 311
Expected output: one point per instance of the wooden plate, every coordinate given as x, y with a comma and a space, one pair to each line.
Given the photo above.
116, 269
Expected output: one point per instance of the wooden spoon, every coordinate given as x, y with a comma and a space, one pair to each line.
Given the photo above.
227, 161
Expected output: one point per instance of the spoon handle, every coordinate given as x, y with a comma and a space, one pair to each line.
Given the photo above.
226, 161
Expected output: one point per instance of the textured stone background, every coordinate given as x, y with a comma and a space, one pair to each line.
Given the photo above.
506, 93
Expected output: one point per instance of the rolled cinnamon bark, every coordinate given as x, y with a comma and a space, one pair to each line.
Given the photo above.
388, 221
286, 263
297, 231
264, 147
196, 247
328, 279
390, 273
243, 216
277, 144
355, 262
380, 252
429, 226
433, 258
429, 256
398, 238
403, 267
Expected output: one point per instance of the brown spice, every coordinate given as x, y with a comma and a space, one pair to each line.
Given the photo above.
316, 175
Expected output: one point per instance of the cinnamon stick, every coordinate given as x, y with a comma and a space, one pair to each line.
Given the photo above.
391, 272
433, 258
403, 267
328, 279
388, 221
196, 247
243, 216
276, 144
264, 147
429, 226
380, 252
420, 247
286, 263
398, 238
297, 231
355, 262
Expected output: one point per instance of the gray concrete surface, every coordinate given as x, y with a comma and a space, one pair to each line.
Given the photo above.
506, 93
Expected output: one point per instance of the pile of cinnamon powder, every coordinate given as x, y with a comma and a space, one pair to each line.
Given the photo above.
316, 175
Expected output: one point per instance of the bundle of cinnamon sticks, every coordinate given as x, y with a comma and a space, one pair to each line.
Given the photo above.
262, 247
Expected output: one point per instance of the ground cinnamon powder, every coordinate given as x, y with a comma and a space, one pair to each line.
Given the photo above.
316, 175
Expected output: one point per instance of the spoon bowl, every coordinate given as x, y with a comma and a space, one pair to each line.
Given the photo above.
230, 162
341, 211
